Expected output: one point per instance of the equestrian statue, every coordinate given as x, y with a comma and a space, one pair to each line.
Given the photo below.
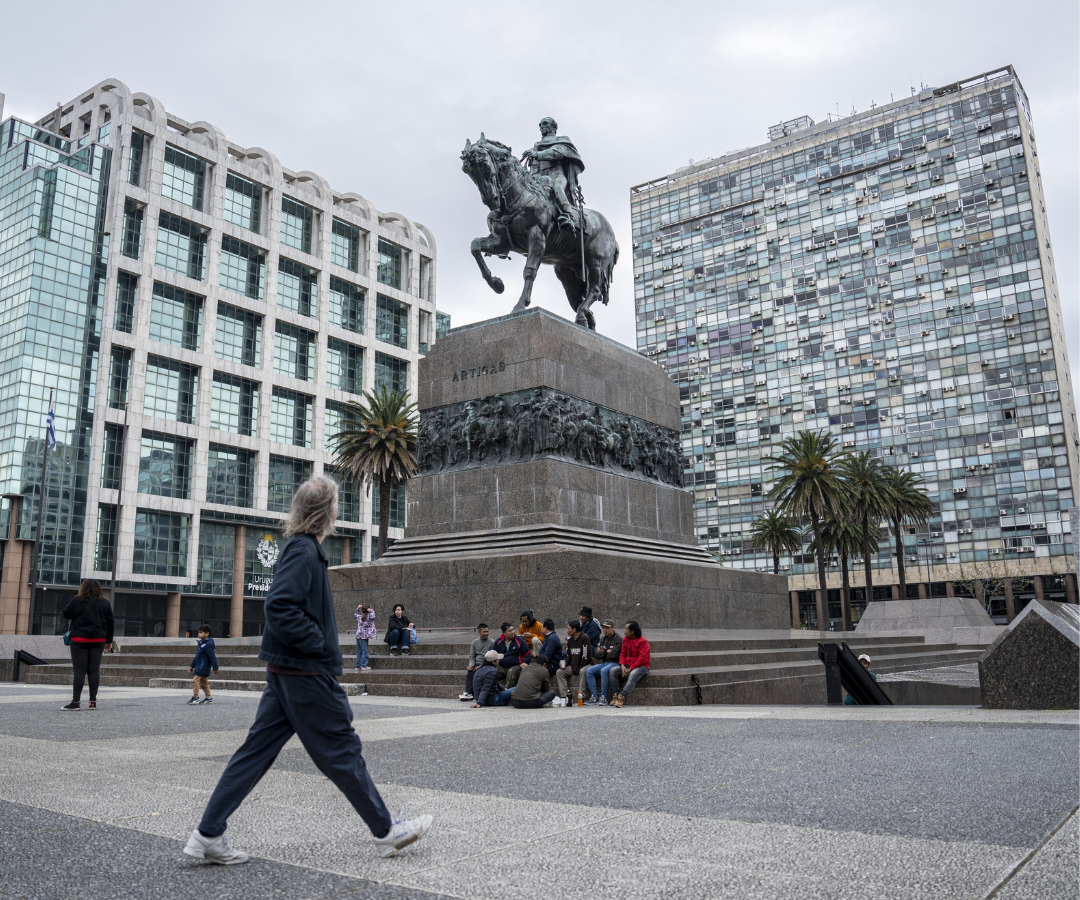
540, 213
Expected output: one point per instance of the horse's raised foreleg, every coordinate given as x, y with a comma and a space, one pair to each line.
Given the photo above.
537, 244
492, 245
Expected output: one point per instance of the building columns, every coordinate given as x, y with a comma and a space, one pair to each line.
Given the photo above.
894, 592
1010, 605
980, 592
172, 614
1070, 588
1037, 583
22, 615
922, 591
14, 574
795, 621
950, 591
236, 610
346, 548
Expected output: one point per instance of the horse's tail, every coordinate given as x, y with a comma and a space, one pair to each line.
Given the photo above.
605, 280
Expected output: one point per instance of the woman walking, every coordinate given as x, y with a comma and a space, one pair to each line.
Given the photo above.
90, 632
303, 655
365, 631
398, 632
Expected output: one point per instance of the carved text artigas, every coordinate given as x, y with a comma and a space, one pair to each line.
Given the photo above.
478, 371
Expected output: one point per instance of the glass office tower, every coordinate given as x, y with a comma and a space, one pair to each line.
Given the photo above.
204, 315
887, 277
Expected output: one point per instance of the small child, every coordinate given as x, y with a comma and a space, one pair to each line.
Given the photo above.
365, 631
205, 660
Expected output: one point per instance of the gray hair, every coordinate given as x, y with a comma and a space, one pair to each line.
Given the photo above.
313, 508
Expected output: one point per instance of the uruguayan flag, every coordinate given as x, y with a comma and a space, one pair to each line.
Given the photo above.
50, 429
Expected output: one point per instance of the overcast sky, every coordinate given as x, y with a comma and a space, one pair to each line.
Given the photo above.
379, 97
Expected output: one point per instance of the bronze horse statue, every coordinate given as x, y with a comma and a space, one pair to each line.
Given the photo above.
523, 220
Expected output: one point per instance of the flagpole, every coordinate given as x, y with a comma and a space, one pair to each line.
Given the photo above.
41, 508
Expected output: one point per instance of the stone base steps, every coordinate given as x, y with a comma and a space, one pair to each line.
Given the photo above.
766, 670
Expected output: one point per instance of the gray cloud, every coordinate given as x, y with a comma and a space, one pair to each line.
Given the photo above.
380, 97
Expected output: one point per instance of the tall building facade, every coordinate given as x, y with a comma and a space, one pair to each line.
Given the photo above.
203, 315
887, 277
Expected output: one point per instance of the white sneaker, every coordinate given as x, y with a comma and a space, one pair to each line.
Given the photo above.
216, 850
465, 695
402, 833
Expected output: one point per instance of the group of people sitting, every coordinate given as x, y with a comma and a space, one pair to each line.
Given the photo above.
528, 666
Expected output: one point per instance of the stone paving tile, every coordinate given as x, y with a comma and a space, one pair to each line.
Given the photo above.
48, 856
1053, 873
646, 805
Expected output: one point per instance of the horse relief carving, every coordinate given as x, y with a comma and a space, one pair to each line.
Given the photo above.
544, 423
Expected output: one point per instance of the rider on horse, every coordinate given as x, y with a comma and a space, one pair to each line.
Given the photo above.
556, 156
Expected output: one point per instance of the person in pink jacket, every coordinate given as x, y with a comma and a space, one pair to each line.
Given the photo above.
634, 659
365, 631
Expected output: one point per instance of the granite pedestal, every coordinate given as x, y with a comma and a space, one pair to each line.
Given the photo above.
550, 480
1035, 664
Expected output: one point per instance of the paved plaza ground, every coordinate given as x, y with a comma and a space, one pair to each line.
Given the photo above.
698, 802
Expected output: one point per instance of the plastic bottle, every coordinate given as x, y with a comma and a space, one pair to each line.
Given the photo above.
580, 698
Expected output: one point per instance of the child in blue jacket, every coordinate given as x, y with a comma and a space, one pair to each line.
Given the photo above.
205, 660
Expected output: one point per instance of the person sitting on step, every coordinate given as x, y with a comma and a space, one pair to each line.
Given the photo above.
634, 661
552, 647
512, 651
605, 661
570, 675
534, 686
589, 625
531, 631
480, 646
398, 632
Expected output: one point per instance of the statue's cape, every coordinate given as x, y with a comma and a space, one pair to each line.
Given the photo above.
565, 147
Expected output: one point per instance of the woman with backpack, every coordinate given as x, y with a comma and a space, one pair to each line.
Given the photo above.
90, 632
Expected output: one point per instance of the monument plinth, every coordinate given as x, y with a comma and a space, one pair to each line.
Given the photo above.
550, 479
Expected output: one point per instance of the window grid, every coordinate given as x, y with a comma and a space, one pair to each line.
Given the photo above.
294, 352
391, 373
335, 418
397, 506
243, 268
346, 305
119, 376
243, 202
138, 146
290, 418
391, 321
124, 311
132, 238
297, 287
111, 461
344, 366
171, 389
183, 177
214, 565
345, 245
238, 335
296, 220
161, 540
165, 465
230, 476
106, 538
181, 246
234, 404
175, 316
286, 475
348, 497
389, 264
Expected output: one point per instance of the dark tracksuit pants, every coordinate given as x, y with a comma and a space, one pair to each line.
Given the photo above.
86, 666
315, 708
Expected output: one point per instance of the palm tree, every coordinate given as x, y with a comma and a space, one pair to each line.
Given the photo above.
864, 482
845, 538
907, 502
807, 487
776, 533
378, 443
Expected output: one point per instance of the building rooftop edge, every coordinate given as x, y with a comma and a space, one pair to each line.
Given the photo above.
924, 96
